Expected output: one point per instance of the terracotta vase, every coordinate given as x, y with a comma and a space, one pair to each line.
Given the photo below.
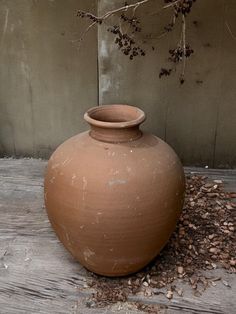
114, 194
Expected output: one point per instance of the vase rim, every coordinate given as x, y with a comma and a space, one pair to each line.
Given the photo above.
115, 116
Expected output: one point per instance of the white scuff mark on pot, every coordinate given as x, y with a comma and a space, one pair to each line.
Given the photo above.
128, 169
111, 250
88, 253
66, 161
99, 213
154, 174
131, 151
117, 182
114, 266
55, 165
82, 227
67, 238
73, 179
138, 198
85, 183
52, 180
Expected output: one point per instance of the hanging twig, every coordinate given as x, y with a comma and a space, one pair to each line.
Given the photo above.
100, 19
126, 38
182, 79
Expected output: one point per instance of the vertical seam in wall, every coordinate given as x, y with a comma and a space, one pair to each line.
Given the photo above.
218, 103
98, 63
98, 75
166, 117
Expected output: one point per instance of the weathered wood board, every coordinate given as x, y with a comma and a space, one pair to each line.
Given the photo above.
37, 275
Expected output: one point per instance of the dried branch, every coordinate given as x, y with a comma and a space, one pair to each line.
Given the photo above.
100, 19
128, 43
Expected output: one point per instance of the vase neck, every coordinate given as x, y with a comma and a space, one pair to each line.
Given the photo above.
115, 135
115, 123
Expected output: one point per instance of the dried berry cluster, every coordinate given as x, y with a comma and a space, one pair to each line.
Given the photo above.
176, 55
165, 72
90, 16
126, 44
204, 239
133, 22
169, 27
183, 6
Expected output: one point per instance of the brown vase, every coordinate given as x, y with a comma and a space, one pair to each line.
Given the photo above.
114, 194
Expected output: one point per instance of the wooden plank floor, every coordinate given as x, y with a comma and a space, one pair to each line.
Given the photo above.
37, 275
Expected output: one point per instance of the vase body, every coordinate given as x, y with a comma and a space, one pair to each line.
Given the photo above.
114, 194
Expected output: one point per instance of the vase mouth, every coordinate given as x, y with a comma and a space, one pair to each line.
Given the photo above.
115, 116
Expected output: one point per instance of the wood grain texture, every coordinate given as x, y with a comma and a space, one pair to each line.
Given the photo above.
37, 275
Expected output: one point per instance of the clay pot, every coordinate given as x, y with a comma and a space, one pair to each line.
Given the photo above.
114, 194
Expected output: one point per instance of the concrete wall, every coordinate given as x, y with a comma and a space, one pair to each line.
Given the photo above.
46, 84
198, 119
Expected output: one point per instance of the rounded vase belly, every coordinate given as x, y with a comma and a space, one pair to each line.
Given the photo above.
114, 194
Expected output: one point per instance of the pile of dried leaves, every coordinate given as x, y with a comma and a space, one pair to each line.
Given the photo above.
204, 239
